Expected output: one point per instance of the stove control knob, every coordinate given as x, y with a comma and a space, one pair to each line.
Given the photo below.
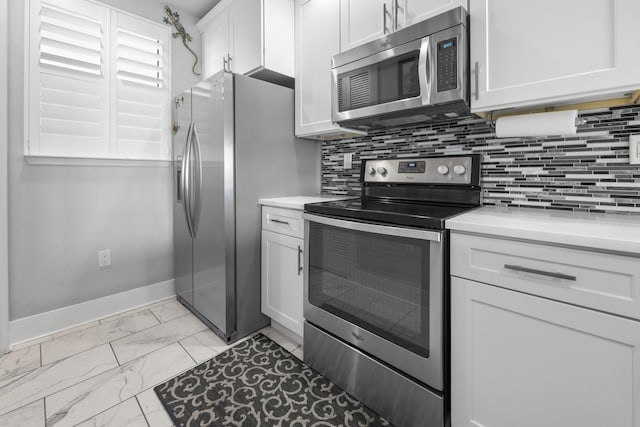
443, 170
459, 169
372, 170
381, 170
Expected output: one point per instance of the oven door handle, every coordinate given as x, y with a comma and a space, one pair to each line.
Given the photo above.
412, 233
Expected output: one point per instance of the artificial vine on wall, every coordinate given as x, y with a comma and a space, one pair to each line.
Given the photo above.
173, 18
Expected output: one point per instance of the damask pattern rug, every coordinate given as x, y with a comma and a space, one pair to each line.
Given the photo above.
258, 383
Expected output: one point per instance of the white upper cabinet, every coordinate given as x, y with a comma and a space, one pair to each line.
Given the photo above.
364, 20
251, 37
526, 53
317, 39
409, 12
215, 43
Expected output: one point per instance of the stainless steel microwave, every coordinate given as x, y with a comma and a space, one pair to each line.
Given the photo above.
417, 74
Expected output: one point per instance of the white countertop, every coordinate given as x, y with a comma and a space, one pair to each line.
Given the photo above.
608, 232
298, 202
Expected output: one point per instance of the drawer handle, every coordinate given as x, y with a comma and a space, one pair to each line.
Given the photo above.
279, 221
540, 272
299, 260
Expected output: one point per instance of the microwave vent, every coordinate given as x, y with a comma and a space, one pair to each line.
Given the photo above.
356, 93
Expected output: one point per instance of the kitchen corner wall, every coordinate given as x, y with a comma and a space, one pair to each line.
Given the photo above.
60, 216
586, 172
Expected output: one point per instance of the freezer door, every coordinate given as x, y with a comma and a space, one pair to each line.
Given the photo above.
214, 262
183, 244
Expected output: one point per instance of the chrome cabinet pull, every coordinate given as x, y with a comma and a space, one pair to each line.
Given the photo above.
540, 272
299, 260
476, 71
279, 221
395, 15
384, 18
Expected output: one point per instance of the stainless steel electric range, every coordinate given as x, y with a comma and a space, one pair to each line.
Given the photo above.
376, 297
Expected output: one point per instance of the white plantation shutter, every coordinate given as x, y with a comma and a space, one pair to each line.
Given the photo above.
99, 82
69, 95
142, 107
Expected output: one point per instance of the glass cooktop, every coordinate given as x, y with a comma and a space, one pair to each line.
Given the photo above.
410, 214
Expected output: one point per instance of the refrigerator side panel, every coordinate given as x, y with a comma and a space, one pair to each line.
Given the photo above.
183, 249
210, 243
270, 162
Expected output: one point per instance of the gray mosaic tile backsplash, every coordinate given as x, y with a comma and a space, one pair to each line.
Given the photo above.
586, 172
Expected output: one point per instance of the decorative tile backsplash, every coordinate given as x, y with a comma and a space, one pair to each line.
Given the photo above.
589, 171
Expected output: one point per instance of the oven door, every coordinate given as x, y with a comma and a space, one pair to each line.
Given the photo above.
379, 288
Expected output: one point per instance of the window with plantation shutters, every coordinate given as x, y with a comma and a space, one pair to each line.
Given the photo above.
98, 83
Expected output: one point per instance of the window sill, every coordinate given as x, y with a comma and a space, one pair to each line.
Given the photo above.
87, 161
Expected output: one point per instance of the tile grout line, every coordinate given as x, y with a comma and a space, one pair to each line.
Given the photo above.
146, 420
187, 351
114, 354
44, 411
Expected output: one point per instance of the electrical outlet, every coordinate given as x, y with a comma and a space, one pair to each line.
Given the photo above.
634, 149
348, 158
104, 258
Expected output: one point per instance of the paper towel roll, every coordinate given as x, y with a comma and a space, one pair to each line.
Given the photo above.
538, 124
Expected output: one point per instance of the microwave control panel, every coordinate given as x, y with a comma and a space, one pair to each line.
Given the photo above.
447, 64
425, 170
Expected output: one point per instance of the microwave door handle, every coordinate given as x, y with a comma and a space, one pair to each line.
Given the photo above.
425, 70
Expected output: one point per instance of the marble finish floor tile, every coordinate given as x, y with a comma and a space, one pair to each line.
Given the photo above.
135, 310
126, 414
144, 342
298, 352
204, 345
19, 390
153, 410
31, 415
281, 339
98, 334
169, 311
20, 361
94, 395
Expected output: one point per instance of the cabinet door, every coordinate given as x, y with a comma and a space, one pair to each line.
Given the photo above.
245, 35
583, 50
521, 360
409, 12
364, 20
317, 40
215, 44
282, 279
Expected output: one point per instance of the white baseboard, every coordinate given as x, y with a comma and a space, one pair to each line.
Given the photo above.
49, 322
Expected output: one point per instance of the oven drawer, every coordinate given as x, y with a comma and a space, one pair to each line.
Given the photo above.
284, 221
604, 281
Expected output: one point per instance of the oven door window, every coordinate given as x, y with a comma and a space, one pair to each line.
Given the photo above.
377, 282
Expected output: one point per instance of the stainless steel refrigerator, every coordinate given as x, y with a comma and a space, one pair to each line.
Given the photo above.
234, 144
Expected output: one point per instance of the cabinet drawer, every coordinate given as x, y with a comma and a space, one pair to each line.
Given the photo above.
604, 281
285, 221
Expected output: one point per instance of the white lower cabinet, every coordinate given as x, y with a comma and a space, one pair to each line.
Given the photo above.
522, 360
282, 278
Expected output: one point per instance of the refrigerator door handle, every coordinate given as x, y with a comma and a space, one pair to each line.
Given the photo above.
186, 179
195, 215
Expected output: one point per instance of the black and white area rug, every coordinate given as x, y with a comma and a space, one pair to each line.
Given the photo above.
258, 383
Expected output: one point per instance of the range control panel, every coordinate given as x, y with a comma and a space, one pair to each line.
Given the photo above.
424, 170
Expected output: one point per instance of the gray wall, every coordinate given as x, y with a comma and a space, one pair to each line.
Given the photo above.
60, 216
